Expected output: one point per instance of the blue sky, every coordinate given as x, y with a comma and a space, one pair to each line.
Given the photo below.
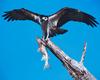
19, 59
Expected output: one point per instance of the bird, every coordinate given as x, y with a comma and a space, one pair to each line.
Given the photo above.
51, 24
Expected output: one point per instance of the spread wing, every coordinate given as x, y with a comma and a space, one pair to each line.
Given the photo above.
70, 14
21, 14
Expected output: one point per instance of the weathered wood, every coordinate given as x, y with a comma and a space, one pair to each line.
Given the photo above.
76, 69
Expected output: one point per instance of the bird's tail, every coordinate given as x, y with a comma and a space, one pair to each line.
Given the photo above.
61, 31
57, 32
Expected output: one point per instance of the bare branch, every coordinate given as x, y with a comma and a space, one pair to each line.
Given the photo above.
83, 53
76, 69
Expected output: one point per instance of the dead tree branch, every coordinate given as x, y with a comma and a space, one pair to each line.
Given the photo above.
76, 69
83, 54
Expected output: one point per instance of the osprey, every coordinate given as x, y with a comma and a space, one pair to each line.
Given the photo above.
51, 24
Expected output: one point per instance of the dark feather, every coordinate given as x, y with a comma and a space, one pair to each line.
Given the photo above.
69, 14
20, 14
57, 31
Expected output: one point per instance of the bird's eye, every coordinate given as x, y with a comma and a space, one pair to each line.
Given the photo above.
45, 18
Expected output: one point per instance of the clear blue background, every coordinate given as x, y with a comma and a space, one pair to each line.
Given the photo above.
19, 59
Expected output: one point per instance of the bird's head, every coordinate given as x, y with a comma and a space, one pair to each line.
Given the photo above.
43, 19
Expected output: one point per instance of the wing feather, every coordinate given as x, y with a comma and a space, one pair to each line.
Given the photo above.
69, 14
20, 14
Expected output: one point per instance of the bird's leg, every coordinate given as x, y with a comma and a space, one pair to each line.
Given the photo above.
43, 38
47, 35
